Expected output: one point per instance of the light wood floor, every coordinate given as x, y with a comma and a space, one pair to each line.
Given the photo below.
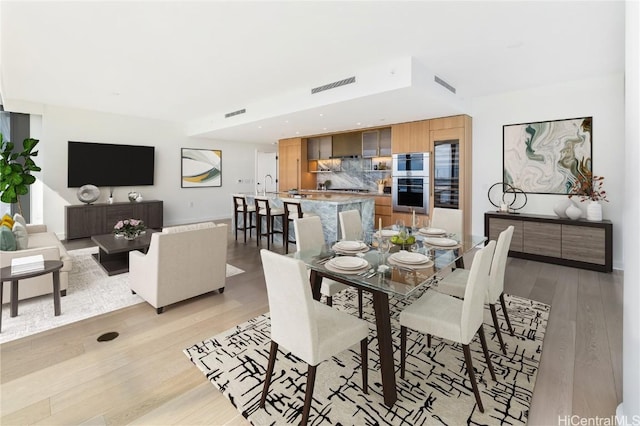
64, 376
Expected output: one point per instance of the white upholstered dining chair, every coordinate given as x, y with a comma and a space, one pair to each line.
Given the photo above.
451, 318
451, 220
308, 329
455, 283
309, 236
351, 225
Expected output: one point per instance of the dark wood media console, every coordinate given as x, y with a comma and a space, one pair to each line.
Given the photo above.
86, 220
577, 243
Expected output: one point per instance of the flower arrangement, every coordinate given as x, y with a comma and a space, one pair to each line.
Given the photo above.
589, 187
129, 228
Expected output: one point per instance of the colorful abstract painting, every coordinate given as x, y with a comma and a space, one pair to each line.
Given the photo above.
546, 157
201, 167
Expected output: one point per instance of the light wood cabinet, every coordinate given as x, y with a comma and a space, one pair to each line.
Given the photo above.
292, 165
383, 211
347, 144
410, 137
580, 243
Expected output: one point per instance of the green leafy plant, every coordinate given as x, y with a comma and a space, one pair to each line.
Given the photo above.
15, 170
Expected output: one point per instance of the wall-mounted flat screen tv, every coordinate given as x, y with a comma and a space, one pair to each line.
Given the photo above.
103, 164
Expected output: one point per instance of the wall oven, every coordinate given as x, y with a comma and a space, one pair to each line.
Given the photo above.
412, 164
410, 183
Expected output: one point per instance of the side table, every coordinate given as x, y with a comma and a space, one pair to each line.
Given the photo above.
50, 266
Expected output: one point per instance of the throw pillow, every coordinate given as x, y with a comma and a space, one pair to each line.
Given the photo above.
19, 218
7, 240
7, 220
22, 236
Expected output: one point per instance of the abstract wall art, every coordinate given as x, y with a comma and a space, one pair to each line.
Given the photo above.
546, 157
201, 168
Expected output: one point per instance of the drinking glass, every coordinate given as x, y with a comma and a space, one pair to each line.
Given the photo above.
384, 246
399, 224
415, 247
426, 222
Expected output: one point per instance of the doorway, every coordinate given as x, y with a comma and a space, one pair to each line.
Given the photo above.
266, 172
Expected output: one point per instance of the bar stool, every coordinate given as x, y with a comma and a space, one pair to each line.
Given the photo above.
292, 211
240, 207
264, 210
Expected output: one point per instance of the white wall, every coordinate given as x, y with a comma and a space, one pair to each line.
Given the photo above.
602, 99
60, 125
631, 314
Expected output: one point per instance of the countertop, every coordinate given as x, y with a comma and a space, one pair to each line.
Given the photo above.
326, 196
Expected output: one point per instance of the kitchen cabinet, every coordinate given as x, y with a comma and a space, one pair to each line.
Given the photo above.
292, 165
376, 143
383, 211
576, 243
319, 148
347, 144
410, 137
450, 141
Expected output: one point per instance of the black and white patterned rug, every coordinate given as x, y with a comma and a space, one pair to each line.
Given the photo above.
435, 391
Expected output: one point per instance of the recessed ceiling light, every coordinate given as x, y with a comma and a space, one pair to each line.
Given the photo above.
259, 127
286, 121
297, 133
358, 124
324, 128
321, 115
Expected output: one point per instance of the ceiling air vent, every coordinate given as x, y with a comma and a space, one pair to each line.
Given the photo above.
444, 84
238, 112
333, 85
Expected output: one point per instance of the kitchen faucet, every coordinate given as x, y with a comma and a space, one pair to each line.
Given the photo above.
264, 190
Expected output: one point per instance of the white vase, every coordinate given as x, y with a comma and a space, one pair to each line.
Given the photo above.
594, 211
560, 209
573, 212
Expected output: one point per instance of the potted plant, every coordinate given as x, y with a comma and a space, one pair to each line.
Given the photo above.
590, 187
16, 168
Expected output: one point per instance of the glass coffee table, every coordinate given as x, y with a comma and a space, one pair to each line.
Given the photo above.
113, 253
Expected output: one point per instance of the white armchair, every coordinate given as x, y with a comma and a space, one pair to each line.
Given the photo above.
182, 262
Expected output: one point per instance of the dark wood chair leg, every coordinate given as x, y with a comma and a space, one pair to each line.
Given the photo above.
258, 230
428, 340
403, 349
267, 380
504, 312
494, 315
487, 357
285, 234
244, 225
329, 301
160, 310
472, 376
364, 364
311, 381
235, 219
360, 302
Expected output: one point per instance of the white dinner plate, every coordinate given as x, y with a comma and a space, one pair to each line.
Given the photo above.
332, 268
350, 245
347, 262
409, 257
442, 242
412, 266
432, 231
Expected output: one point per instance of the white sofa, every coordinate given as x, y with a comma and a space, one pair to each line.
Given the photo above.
182, 262
49, 246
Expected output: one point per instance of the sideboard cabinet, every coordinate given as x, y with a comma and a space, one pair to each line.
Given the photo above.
83, 221
577, 243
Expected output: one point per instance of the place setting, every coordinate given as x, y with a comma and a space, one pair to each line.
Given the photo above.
410, 260
350, 265
350, 247
441, 243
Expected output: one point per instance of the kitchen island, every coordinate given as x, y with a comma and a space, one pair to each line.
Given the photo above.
327, 206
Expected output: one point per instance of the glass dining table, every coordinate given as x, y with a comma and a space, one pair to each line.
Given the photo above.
386, 275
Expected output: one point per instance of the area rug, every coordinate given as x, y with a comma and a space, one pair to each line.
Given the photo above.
91, 292
435, 391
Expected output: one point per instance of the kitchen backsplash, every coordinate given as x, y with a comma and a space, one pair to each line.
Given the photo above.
354, 173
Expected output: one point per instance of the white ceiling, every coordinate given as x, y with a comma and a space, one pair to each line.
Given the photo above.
192, 62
